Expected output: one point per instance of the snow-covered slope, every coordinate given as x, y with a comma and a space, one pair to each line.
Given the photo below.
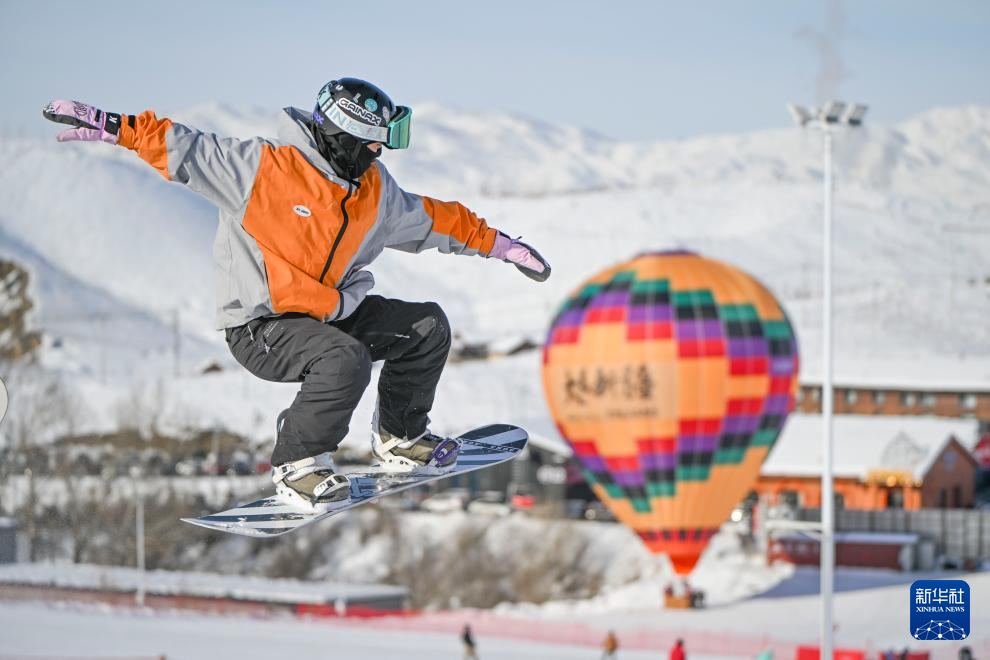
912, 230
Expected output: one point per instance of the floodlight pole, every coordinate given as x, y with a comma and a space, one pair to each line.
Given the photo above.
823, 119
827, 543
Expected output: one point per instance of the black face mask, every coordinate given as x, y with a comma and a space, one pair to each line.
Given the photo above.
348, 156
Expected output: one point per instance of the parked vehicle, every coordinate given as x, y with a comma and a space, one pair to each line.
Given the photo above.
189, 467
490, 503
400, 502
521, 497
446, 501
574, 508
598, 511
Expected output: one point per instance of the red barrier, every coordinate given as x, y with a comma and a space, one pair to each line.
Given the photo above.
350, 611
814, 652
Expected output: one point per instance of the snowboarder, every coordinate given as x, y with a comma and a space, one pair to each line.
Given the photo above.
677, 652
301, 217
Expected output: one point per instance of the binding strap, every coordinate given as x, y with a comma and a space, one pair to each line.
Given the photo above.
444, 453
299, 469
332, 483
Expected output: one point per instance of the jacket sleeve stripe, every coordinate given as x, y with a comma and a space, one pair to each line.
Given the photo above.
220, 169
458, 222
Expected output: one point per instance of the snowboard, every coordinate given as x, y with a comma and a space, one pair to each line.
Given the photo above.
271, 516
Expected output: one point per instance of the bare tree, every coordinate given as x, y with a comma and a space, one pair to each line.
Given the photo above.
42, 410
141, 410
17, 342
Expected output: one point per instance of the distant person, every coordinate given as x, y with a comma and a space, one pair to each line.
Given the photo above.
965, 653
677, 653
610, 645
302, 217
469, 646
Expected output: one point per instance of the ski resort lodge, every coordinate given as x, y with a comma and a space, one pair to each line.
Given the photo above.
880, 462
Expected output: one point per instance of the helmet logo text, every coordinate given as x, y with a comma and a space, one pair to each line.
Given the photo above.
362, 113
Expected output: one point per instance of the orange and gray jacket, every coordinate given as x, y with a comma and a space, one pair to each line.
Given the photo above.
294, 237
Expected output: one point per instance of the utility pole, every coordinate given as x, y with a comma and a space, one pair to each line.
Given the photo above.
176, 343
101, 320
137, 475
139, 596
216, 449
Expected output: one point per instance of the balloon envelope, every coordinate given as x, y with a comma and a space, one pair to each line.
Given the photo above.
671, 376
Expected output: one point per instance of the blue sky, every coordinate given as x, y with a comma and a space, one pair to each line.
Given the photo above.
631, 70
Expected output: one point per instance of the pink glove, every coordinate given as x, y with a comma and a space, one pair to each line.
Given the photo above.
529, 262
93, 124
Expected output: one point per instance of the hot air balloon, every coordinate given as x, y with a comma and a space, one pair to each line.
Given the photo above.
671, 376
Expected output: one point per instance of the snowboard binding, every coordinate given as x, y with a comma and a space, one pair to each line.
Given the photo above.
312, 484
427, 454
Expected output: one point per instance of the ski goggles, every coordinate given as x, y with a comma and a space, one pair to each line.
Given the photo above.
394, 135
398, 128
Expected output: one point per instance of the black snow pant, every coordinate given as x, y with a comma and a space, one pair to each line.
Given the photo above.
333, 362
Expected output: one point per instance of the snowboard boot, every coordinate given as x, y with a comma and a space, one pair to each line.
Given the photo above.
425, 454
312, 484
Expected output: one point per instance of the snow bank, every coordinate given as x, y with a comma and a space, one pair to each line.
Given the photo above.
186, 583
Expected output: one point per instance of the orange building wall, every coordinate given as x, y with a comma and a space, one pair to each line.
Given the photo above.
855, 494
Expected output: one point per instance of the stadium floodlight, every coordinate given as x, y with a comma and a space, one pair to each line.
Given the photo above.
854, 114
799, 113
831, 112
825, 119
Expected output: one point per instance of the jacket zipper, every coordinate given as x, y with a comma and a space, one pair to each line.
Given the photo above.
340, 234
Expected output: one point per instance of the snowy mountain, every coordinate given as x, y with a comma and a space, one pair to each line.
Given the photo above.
942, 153
122, 260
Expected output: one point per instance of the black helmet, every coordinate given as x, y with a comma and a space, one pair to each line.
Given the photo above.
350, 114
361, 109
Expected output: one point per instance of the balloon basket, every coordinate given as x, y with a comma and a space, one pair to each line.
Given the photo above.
683, 597
672, 602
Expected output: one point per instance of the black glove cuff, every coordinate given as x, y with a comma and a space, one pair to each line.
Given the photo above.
112, 125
